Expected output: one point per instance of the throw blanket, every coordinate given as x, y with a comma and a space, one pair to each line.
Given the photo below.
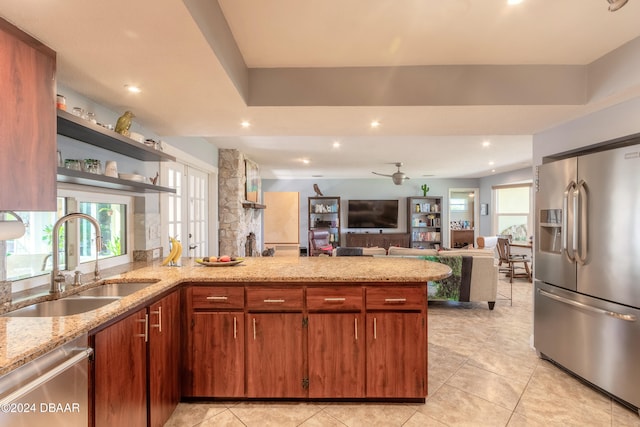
348, 251
457, 286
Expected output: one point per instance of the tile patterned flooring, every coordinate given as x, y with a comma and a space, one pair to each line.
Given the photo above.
482, 372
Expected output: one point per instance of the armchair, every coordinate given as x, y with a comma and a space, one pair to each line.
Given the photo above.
319, 242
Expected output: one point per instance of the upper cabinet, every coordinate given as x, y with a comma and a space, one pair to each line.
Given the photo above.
28, 125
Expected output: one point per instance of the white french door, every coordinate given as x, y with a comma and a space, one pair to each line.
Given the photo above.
187, 211
198, 213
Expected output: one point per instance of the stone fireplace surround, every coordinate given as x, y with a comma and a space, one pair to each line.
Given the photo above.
235, 221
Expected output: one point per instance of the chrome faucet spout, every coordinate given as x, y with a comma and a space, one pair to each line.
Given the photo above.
56, 276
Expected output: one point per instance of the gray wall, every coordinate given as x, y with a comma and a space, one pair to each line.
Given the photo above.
381, 188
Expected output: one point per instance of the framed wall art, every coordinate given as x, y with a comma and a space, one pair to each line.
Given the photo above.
253, 183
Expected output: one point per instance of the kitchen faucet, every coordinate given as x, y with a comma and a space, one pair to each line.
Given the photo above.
57, 278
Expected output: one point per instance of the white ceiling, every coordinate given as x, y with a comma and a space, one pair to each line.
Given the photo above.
189, 91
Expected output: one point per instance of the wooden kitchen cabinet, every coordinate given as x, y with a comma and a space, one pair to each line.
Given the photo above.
306, 341
217, 360
336, 355
275, 361
136, 370
164, 358
28, 131
336, 342
396, 325
120, 373
214, 366
274, 345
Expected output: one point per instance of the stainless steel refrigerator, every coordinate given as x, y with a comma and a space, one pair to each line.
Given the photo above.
587, 267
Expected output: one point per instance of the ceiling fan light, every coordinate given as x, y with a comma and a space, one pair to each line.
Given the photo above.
616, 4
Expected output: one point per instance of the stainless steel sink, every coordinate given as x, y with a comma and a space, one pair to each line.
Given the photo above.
114, 289
61, 307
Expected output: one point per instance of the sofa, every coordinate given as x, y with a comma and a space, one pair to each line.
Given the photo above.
484, 270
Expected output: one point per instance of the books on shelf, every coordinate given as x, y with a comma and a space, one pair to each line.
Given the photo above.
425, 236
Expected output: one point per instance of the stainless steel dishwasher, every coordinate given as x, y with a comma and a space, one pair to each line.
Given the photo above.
51, 390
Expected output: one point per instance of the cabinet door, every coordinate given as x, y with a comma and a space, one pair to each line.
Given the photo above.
120, 380
393, 337
336, 355
164, 358
216, 362
275, 361
28, 131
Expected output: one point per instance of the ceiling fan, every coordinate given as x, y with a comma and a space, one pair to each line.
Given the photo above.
397, 177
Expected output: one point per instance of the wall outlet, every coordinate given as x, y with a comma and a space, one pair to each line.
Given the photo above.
156, 253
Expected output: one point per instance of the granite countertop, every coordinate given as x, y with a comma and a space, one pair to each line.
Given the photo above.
24, 338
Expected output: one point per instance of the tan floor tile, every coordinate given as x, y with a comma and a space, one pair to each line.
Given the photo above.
191, 414
489, 386
624, 417
322, 419
455, 407
421, 420
222, 419
558, 398
370, 415
274, 414
503, 364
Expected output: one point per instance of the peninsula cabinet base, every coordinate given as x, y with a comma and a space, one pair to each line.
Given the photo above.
305, 341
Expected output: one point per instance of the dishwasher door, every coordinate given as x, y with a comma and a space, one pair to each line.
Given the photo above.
50, 391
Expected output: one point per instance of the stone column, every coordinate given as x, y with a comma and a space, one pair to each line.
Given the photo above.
235, 222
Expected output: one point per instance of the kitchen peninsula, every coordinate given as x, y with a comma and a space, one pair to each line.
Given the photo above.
317, 328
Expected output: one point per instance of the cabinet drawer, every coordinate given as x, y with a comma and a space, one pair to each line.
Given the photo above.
217, 297
334, 298
274, 299
396, 298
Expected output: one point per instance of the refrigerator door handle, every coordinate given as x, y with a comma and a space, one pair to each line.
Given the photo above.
565, 221
582, 251
620, 316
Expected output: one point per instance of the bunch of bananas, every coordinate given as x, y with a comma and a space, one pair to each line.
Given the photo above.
175, 253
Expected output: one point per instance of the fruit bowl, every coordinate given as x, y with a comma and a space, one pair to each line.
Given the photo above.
219, 263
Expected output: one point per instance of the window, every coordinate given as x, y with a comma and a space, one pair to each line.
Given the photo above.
512, 215
28, 260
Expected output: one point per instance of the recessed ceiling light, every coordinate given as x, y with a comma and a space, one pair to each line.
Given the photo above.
133, 89
375, 124
306, 161
491, 163
486, 143
245, 124
513, 2
493, 171
336, 144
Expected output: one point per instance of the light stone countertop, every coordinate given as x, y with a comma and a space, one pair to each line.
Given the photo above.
22, 339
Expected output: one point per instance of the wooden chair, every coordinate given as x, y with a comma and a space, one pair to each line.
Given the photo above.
512, 261
319, 242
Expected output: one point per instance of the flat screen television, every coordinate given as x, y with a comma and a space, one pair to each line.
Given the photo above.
372, 214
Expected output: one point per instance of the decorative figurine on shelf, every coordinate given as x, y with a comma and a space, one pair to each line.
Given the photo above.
317, 190
425, 190
124, 123
154, 180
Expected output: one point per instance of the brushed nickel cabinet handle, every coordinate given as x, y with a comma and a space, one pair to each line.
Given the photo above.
217, 298
254, 328
274, 300
235, 327
355, 327
335, 299
375, 329
395, 300
146, 328
159, 324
